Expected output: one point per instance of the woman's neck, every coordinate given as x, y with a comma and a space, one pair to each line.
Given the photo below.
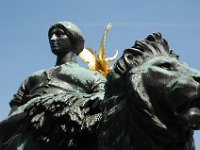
69, 57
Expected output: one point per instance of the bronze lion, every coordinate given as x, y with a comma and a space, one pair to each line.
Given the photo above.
152, 100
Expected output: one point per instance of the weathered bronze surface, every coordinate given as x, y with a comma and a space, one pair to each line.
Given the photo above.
151, 101
56, 108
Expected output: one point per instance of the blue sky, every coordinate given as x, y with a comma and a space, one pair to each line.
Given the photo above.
24, 26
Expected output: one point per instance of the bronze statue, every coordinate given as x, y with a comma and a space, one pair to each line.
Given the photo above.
152, 100
56, 108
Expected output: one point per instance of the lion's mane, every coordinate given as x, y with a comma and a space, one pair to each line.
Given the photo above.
129, 121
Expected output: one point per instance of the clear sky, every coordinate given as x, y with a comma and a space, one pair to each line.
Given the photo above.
24, 25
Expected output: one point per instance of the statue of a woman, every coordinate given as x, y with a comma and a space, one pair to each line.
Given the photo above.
56, 108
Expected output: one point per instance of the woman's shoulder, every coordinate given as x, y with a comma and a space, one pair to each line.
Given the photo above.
85, 72
39, 72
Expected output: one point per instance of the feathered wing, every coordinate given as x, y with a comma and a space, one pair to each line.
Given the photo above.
101, 55
112, 58
98, 63
88, 57
57, 121
105, 69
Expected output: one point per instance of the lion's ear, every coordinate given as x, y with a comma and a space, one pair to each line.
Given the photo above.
133, 57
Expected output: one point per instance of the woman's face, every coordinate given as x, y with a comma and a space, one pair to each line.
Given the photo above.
59, 42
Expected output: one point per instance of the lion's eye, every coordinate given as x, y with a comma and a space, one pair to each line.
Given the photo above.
166, 66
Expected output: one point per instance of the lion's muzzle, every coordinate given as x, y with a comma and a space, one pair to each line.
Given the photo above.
193, 117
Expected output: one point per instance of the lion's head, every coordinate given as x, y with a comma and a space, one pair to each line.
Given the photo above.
152, 100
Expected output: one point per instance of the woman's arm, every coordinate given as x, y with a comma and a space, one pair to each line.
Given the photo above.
20, 97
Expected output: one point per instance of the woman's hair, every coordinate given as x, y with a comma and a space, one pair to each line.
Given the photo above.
73, 32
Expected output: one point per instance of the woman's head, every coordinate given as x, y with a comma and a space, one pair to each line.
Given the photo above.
72, 32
